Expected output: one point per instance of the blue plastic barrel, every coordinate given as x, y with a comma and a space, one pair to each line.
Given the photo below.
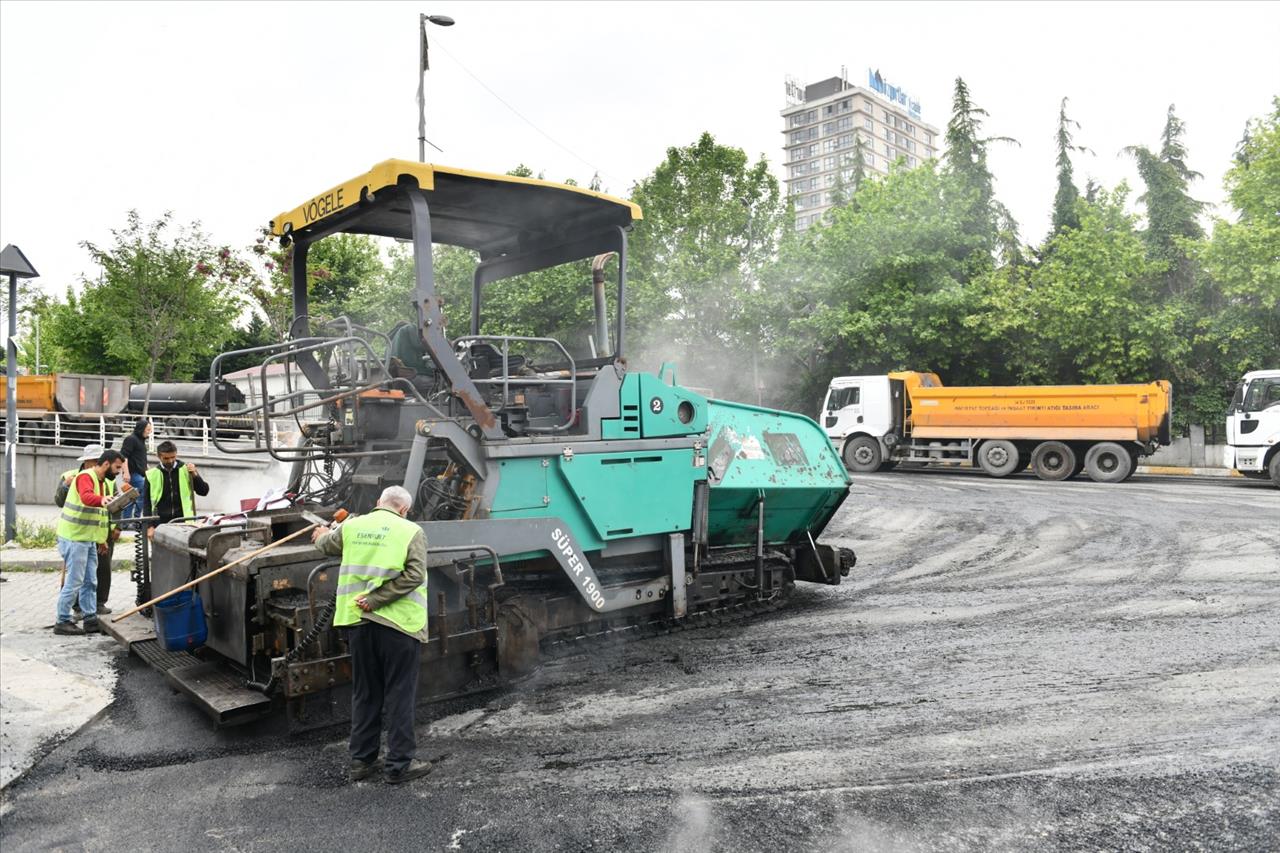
180, 624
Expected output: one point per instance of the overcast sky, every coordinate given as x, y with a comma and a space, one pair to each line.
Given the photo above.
230, 113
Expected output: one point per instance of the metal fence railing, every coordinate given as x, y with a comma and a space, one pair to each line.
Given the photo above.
192, 434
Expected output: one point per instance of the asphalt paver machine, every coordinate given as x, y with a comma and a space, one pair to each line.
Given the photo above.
564, 495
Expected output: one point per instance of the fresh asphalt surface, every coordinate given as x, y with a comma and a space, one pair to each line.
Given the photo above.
1012, 665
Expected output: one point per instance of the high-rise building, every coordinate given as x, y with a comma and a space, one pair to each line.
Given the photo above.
823, 122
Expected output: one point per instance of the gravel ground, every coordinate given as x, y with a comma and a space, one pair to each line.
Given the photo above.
1012, 665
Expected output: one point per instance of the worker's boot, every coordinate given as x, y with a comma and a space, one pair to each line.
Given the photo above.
70, 629
91, 625
361, 770
415, 770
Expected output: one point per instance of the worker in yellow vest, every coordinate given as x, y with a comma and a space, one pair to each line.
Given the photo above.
106, 552
82, 526
382, 605
172, 487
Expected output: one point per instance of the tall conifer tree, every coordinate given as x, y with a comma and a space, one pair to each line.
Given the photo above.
1064, 201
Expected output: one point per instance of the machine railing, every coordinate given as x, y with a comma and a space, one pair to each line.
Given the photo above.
359, 370
507, 380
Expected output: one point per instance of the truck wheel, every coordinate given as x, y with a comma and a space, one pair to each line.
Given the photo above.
1053, 460
999, 458
1133, 469
1274, 468
1108, 462
862, 454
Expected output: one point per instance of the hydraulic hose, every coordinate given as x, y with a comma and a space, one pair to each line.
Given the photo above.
321, 623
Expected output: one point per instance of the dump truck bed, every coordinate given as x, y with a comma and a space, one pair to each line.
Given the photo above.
1061, 412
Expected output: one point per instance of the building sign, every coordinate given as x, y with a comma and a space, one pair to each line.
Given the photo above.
795, 92
893, 93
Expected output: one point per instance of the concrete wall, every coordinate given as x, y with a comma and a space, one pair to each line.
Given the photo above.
230, 478
1189, 452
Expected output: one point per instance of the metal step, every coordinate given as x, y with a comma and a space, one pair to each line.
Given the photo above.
217, 690
158, 657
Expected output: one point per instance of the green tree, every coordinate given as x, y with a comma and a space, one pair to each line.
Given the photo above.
163, 305
337, 267
972, 188
1172, 214
1064, 200
339, 264
881, 287
711, 220
547, 303
1242, 260
1092, 303
253, 332
859, 162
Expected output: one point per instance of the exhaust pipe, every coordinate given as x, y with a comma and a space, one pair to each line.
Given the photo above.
597, 292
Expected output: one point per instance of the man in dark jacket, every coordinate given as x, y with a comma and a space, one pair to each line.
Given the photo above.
134, 450
172, 487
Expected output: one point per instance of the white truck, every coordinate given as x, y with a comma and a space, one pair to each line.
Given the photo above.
1253, 426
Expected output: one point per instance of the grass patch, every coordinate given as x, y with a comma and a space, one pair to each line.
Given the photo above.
33, 535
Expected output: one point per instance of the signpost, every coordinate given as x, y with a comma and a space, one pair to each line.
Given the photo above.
15, 265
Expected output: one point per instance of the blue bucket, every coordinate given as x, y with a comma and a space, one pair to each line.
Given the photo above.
180, 624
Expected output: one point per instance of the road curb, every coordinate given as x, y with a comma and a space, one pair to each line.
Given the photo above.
1180, 471
37, 565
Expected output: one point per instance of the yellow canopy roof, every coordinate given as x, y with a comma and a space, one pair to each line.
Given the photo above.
492, 214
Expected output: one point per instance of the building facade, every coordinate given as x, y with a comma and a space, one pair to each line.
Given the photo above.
822, 126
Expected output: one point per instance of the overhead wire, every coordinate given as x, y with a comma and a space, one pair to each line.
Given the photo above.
436, 42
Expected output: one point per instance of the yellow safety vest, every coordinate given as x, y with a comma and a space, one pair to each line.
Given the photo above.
109, 485
155, 484
80, 523
374, 548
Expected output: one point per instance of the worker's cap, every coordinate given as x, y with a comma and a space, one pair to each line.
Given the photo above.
91, 453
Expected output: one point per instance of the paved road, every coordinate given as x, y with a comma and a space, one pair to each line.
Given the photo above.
1014, 665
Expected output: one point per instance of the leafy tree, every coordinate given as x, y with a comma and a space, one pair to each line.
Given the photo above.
73, 337
881, 287
711, 220
1241, 332
548, 303
255, 332
1064, 201
163, 304
1092, 304
337, 266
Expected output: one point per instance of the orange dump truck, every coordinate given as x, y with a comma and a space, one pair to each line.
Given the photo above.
70, 393
1057, 430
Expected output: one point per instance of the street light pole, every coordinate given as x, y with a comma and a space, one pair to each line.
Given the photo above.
423, 66
15, 265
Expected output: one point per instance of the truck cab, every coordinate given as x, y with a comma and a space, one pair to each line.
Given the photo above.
863, 416
1253, 426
